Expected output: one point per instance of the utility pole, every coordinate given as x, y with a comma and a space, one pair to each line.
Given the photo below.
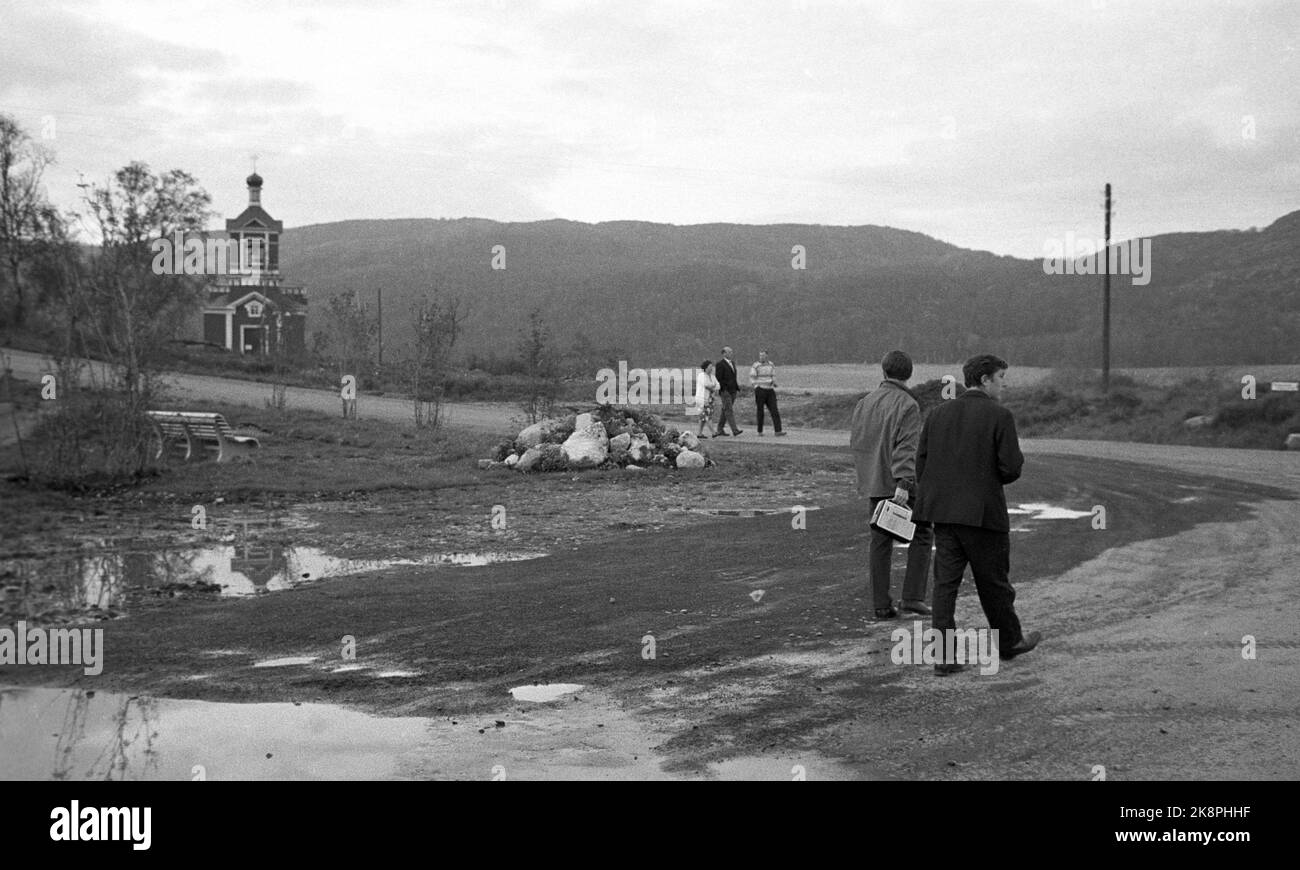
380, 292
1105, 307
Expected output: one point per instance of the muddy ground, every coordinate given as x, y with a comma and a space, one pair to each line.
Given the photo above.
764, 660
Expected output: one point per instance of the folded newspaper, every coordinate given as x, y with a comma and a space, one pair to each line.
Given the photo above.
894, 519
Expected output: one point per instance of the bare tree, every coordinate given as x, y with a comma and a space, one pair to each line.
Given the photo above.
346, 337
537, 359
437, 323
23, 206
134, 310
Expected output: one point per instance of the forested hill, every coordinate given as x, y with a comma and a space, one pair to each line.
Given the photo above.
659, 293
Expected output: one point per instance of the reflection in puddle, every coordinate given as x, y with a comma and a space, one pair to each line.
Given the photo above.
102, 582
76, 735
545, 692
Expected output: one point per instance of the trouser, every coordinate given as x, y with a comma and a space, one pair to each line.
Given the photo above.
989, 554
765, 398
882, 555
728, 415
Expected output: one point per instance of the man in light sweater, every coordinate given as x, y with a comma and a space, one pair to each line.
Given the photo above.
762, 377
885, 433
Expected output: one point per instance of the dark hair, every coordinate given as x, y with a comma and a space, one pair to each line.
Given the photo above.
705, 365
978, 366
897, 365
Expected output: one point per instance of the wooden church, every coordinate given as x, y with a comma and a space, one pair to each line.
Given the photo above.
250, 310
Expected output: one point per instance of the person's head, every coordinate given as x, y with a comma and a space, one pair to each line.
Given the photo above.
985, 372
726, 353
707, 365
762, 356
897, 365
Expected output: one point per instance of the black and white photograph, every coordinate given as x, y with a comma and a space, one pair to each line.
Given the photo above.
596, 390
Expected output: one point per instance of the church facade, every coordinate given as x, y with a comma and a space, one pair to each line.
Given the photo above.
250, 310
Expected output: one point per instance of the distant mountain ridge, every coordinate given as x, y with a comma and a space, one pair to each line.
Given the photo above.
660, 294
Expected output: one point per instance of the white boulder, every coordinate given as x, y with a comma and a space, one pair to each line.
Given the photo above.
588, 446
690, 459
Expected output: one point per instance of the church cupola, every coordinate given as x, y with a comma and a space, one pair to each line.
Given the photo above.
254, 188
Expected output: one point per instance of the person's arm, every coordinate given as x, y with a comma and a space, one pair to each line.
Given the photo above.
1010, 459
922, 450
906, 439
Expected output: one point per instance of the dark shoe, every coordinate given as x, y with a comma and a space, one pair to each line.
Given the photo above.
948, 670
886, 613
738, 431
719, 434
916, 607
1027, 643
780, 434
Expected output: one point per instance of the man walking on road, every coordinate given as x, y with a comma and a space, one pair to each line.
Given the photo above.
728, 387
884, 434
762, 375
968, 452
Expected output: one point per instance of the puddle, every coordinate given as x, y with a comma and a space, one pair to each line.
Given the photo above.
102, 583
544, 692
1037, 511
286, 662
750, 512
477, 559
76, 735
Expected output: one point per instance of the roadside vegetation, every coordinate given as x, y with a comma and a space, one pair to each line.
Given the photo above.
1066, 405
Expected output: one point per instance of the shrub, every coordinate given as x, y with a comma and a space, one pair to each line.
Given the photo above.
552, 458
93, 439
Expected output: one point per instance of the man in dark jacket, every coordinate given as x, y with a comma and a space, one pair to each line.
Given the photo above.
968, 451
725, 371
883, 436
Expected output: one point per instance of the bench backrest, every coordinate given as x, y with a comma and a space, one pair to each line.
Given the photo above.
198, 422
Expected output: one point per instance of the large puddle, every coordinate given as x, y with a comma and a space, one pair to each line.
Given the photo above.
80, 735
104, 581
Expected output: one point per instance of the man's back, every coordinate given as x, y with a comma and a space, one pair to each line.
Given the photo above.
883, 437
968, 451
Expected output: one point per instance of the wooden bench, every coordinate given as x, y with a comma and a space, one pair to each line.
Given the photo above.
196, 431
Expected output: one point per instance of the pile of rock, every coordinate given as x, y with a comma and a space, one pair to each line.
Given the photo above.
605, 438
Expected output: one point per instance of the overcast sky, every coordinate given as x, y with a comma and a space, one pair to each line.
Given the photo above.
991, 125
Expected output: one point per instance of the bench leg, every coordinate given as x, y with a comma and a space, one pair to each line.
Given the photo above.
189, 442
